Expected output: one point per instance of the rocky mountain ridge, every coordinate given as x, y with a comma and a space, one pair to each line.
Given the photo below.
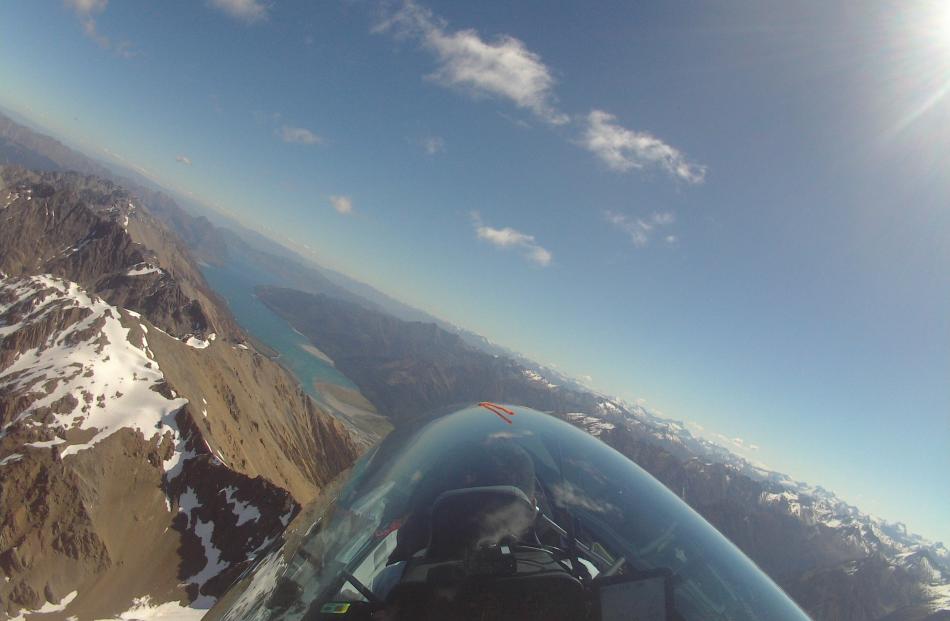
147, 453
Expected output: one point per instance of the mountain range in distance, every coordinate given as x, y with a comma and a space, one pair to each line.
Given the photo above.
217, 238
837, 562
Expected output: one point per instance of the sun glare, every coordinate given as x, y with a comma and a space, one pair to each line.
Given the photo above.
920, 51
934, 23
942, 23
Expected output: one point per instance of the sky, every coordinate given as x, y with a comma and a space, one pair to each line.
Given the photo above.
735, 213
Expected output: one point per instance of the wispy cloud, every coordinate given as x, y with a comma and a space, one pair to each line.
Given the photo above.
623, 150
86, 11
503, 67
87, 6
641, 230
432, 145
297, 135
248, 11
510, 238
184, 159
342, 204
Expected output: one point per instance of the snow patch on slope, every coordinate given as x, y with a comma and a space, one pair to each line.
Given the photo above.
143, 610
213, 565
194, 341
537, 377
10, 459
245, 511
48, 607
142, 269
111, 381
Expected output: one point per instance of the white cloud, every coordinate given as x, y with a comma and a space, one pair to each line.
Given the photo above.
342, 204
124, 49
510, 238
87, 7
640, 230
89, 28
503, 67
248, 11
184, 159
506, 69
298, 135
86, 10
433, 144
624, 150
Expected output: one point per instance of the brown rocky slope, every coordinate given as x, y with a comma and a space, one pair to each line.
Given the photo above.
146, 451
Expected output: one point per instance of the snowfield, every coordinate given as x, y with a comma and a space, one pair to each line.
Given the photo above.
143, 610
194, 341
110, 382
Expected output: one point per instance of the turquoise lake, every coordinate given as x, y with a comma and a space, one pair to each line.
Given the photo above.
235, 283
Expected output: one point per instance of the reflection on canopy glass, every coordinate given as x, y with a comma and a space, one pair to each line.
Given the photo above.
470, 517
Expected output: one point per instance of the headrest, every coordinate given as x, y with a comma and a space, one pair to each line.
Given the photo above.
474, 516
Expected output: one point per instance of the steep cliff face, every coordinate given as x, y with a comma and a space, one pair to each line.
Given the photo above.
146, 452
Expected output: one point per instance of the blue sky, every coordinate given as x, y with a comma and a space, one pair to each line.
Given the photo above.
737, 212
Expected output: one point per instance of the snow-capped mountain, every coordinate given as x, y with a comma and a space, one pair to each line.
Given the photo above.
78, 531
894, 573
141, 464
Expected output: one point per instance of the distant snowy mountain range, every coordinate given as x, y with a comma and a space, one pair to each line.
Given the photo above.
811, 504
100, 295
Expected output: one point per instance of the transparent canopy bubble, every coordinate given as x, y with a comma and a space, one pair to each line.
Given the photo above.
518, 516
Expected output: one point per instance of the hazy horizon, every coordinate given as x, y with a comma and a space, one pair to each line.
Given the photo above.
738, 217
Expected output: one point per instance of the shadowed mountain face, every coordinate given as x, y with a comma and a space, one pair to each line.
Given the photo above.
410, 368
147, 453
835, 561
